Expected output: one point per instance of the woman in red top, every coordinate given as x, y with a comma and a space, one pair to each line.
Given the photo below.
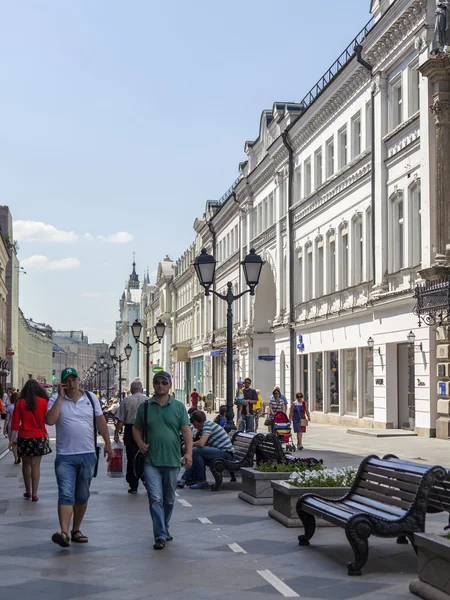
299, 412
32, 444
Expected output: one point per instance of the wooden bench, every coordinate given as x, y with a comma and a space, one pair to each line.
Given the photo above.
270, 449
388, 499
244, 445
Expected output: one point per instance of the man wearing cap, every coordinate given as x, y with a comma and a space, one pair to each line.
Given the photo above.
166, 418
74, 412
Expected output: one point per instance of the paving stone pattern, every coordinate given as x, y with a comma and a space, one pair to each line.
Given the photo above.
119, 560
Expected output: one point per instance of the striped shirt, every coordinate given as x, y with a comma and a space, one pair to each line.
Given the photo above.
218, 437
276, 404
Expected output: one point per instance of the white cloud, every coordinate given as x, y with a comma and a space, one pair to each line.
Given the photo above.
36, 231
121, 237
91, 295
42, 263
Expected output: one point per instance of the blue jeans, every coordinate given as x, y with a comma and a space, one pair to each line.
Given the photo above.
74, 474
247, 423
161, 483
202, 457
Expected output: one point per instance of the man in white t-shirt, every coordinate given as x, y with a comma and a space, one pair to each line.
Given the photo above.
74, 412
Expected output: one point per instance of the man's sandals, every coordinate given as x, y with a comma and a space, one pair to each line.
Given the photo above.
62, 539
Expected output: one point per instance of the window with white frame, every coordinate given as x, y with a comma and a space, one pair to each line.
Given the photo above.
298, 183
331, 279
319, 268
232, 241
299, 279
307, 182
264, 214
413, 87
369, 246
358, 250
236, 237
343, 147
397, 245
329, 149
356, 135
369, 120
396, 101
344, 258
260, 217
308, 290
415, 229
271, 215
318, 175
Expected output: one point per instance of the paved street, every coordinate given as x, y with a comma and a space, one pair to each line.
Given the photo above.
222, 547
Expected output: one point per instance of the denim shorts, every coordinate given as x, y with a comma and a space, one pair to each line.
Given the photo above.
74, 474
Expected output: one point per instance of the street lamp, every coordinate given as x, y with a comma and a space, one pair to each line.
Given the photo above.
136, 328
411, 337
371, 344
107, 367
119, 360
205, 267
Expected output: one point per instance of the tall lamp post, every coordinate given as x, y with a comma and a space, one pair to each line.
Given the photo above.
205, 267
136, 328
106, 367
119, 360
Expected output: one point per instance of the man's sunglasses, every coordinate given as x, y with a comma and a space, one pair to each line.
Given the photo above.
161, 382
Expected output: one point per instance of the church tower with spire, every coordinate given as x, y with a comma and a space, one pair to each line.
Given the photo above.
133, 282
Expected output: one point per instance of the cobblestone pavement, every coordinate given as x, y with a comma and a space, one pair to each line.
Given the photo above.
222, 547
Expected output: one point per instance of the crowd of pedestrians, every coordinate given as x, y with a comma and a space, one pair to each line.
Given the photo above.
159, 428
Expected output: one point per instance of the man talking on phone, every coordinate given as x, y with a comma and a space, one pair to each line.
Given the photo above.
74, 413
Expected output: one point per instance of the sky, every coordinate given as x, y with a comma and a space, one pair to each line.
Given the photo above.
121, 119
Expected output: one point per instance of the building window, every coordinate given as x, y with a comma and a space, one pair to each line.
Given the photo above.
298, 183
331, 264
307, 182
308, 291
396, 101
369, 125
358, 251
317, 398
416, 225
369, 246
344, 258
318, 175
330, 158
299, 278
264, 214
260, 217
333, 358
414, 87
319, 269
356, 135
350, 382
367, 382
271, 217
398, 232
342, 150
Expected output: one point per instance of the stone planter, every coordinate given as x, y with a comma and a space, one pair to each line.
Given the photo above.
433, 566
285, 498
256, 486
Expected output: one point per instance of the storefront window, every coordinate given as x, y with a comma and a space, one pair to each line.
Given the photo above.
367, 380
350, 383
334, 382
318, 378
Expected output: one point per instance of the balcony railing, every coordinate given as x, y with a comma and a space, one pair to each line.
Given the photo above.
433, 302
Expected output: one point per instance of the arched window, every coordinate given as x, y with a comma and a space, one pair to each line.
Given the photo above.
397, 245
319, 267
331, 260
358, 249
308, 266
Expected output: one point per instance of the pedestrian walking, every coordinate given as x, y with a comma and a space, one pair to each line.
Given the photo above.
213, 443
126, 415
299, 415
210, 399
32, 437
166, 418
258, 409
7, 430
195, 398
77, 415
247, 422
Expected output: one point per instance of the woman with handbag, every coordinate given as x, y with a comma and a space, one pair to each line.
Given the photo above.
32, 444
299, 415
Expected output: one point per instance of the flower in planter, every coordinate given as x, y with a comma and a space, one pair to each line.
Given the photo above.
297, 464
343, 477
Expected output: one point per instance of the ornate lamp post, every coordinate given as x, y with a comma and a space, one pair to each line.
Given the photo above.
119, 360
136, 328
205, 267
106, 367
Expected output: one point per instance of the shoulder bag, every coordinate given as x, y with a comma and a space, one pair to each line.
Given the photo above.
96, 446
139, 458
304, 422
46, 446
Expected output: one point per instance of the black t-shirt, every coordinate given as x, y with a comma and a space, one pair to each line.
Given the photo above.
249, 395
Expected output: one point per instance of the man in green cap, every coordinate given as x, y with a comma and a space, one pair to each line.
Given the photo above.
74, 413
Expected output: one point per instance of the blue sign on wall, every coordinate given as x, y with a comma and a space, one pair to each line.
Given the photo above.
300, 345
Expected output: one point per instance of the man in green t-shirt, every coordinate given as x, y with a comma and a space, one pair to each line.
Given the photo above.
166, 418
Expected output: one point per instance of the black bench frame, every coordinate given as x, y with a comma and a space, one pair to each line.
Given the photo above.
364, 516
244, 445
270, 449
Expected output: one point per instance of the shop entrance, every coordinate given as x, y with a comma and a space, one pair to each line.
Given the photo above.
406, 386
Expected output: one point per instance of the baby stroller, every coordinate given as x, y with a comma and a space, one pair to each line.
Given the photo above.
282, 429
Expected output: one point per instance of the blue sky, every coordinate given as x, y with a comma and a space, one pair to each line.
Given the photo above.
120, 119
